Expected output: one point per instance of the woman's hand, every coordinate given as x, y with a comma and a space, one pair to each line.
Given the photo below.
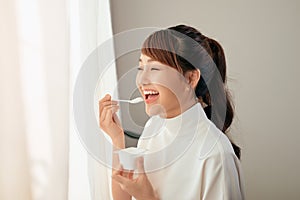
139, 187
108, 119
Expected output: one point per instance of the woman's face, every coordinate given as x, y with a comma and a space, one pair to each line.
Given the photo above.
165, 91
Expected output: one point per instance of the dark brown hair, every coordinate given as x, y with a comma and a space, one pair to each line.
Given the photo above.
185, 48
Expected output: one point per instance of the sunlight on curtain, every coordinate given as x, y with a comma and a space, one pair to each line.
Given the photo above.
34, 100
90, 26
14, 180
45, 78
78, 180
33, 79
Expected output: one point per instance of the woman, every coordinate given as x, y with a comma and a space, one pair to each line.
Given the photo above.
182, 77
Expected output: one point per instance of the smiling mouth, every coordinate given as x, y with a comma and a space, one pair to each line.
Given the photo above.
150, 96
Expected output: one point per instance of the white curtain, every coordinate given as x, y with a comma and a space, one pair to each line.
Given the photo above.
90, 28
34, 87
43, 44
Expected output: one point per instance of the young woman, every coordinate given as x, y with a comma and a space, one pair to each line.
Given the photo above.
182, 77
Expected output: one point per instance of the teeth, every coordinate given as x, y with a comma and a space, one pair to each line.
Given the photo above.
150, 92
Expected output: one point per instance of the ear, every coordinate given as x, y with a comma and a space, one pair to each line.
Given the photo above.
193, 77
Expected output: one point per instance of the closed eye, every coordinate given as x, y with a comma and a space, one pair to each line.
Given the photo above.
139, 68
154, 69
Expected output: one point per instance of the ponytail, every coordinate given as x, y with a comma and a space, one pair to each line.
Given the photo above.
217, 54
215, 50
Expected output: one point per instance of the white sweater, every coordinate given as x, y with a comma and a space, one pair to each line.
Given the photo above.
190, 159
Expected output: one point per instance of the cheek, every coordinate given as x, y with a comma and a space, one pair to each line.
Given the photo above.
167, 96
173, 84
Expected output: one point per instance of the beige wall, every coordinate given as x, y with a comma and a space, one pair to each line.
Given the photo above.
261, 42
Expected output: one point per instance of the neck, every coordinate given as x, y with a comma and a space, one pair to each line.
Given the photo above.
185, 104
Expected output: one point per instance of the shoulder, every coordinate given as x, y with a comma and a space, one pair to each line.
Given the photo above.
217, 147
221, 173
220, 168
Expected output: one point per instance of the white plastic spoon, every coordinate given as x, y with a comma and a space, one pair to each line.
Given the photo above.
136, 100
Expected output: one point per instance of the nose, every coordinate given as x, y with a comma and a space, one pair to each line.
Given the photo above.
143, 78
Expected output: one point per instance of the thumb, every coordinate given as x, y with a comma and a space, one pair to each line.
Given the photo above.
107, 97
140, 165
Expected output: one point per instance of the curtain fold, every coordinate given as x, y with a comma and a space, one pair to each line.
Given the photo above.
34, 105
90, 27
13, 151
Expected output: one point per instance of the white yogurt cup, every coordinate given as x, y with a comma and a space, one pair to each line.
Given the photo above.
127, 157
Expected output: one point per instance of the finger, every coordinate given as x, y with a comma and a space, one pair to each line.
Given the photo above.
113, 109
104, 115
106, 103
107, 116
112, 106
104, 100
140, 165
118, 170
116, 119
130, 174
107, 97
120, 179
108, 111
121, 170
125, 173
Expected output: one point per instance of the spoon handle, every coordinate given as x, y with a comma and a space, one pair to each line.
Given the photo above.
121, 100
136, 100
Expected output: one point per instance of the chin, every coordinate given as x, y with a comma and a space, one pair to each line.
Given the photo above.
155, 109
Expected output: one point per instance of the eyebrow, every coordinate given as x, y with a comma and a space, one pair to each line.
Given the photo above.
150, 60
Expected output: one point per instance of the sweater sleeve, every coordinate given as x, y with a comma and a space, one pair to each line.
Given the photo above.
221, 178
